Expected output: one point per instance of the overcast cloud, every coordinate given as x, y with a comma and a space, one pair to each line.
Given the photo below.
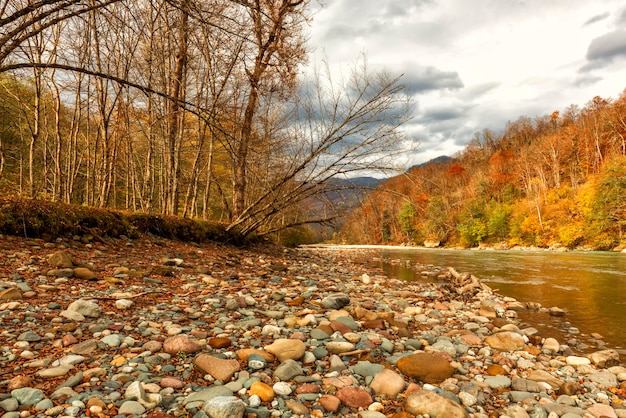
476, 64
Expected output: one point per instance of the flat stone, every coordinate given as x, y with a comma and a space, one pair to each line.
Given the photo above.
9, 405
288, 370
543, 376
87, 308
11, 294
54, 372
60, 259
172, 382
505, 341
83, 273
388, 383
284, 349
603, 379
27, 396
180, 344
282, 388
605, 358
220, 342
498, 382
19, 382
29, 336
296, 407
366, 368
524, 385
245, 353
225, 407
354, 397
207, 394
148, 400
336, 301
551, 345
427, 367
338, 347
330, 403
425, 402
601, 411
132, 408
221, 369
569, 388
262, 390
575, 361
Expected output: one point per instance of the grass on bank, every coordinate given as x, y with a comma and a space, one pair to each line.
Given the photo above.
34, 218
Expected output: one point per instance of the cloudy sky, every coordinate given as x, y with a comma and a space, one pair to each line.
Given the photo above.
476, 64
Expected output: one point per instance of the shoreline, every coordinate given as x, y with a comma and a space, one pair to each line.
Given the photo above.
147, 327
480, 248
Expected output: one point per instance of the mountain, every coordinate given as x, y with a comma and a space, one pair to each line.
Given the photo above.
442, 159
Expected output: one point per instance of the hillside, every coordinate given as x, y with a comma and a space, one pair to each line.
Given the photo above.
557, 180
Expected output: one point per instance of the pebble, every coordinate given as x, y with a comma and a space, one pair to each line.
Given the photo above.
318, 335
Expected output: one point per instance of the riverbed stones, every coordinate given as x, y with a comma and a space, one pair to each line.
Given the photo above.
388, 383
225, 407
83, 273
136, 391
336, 301
505, 341
11, 293
551, 345
180, 344
543, 376
284, 349
338, 347
354, 397
220, 369
324, 337
288, 370
60, 259
427, 367
262, 390
425, 402
86, 308
605, 358
27, 396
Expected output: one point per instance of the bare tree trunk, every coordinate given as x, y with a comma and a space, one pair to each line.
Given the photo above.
176, 114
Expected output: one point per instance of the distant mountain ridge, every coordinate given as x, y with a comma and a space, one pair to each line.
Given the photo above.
442, 159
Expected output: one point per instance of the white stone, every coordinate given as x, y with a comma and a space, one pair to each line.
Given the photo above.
576, 361
467, 399
338, 347
123, 303
551, 345
376, 406
271, 330
413, 310
282, 388
27, 354
72, 359
254, 401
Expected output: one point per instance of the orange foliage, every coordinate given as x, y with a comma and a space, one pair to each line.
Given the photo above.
536, 167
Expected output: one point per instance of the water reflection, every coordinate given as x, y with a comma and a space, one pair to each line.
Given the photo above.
590, 286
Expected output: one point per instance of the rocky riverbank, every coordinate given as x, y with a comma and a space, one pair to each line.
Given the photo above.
157, 328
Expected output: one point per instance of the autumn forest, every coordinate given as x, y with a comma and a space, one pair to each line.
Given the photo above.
557, 180
209, 109
197, 109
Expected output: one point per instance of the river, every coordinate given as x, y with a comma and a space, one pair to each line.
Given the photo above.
590, 286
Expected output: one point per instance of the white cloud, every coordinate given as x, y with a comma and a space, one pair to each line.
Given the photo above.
475, 65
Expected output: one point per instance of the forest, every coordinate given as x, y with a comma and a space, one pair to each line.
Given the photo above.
211, 110
198, 109
558, 181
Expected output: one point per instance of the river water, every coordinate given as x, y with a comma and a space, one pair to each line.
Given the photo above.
590, 286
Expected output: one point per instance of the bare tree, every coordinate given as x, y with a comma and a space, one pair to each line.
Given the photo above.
340, 131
